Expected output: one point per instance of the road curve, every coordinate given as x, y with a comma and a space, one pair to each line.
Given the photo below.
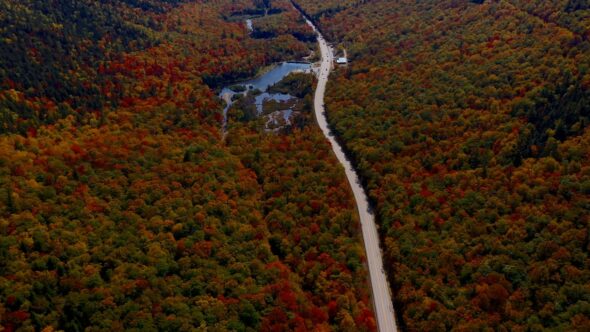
382, 302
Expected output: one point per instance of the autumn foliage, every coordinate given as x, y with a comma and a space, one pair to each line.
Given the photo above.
121, 207
468, 121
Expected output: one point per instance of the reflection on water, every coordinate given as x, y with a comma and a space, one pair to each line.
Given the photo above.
262, 83
261, 98
271, 77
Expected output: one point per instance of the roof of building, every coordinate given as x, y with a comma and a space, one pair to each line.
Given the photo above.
341, 60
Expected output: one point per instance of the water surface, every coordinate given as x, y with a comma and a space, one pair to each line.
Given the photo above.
262, 83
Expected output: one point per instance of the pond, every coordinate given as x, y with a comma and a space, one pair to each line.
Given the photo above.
262, 83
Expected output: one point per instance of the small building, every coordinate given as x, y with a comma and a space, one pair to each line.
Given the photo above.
341, 61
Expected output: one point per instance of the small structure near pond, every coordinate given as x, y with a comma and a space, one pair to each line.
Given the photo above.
342, 61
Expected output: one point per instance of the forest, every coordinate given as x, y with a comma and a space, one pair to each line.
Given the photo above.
124, 205
468, 121
121, 205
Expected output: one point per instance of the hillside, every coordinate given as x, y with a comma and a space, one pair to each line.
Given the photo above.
468, 121
122, 208
127, 202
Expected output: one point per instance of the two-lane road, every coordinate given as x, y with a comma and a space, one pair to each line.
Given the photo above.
382, 302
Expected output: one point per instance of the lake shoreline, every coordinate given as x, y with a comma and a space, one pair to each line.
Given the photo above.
261, 72
257, 89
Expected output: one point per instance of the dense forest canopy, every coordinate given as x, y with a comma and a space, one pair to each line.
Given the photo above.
122, 208
468, 121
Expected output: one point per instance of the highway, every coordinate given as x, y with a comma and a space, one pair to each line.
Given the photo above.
382, 303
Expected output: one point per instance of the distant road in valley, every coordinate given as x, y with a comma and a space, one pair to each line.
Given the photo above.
382, 302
